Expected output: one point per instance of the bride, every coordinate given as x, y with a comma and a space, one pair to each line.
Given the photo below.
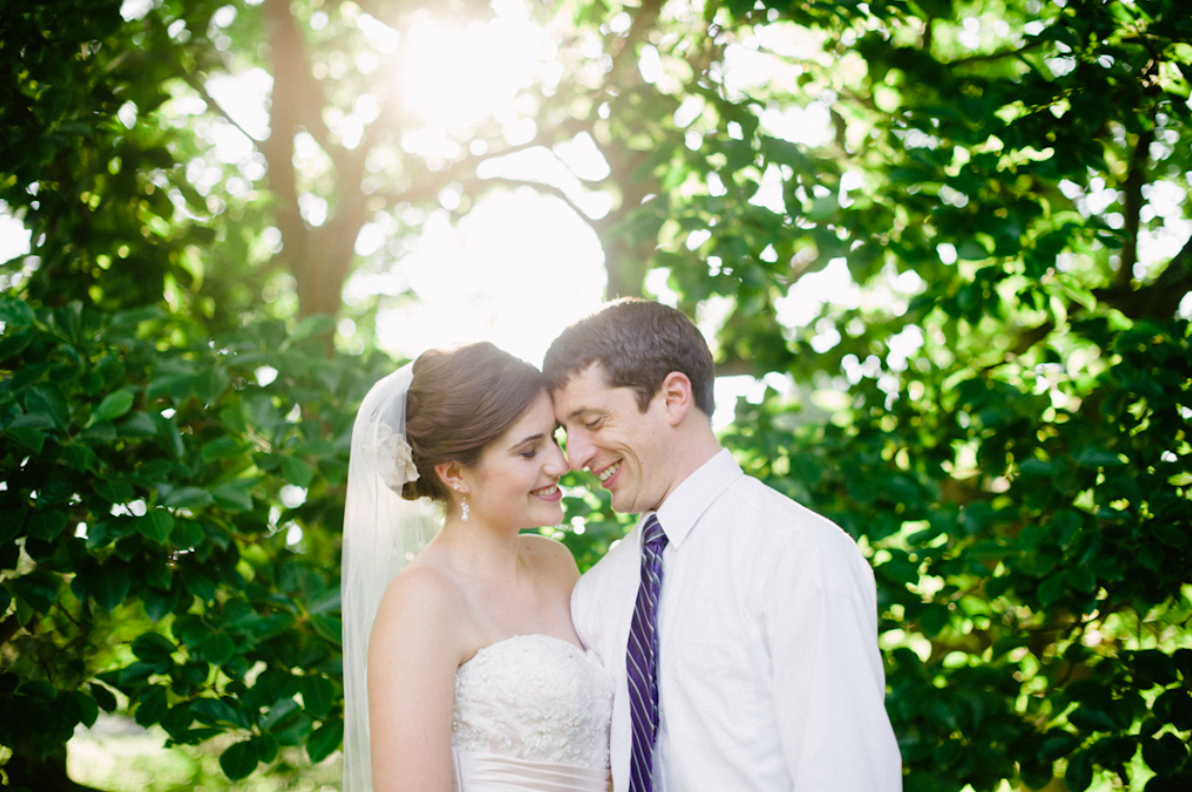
473, 679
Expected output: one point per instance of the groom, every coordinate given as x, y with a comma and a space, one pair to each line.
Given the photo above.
741, 627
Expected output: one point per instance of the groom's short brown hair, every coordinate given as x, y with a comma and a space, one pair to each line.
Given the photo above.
637, 343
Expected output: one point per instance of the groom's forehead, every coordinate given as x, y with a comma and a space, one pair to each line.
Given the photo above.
582, 392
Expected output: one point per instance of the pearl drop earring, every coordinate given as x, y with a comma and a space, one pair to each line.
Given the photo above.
463, 506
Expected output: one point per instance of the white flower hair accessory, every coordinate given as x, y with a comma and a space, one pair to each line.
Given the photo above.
395, 458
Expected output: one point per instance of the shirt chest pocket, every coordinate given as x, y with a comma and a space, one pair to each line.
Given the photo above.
715, 691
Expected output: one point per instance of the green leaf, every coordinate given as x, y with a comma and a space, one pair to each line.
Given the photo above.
214, 712
46, 524
317, 694
1052, 589
187, 533
210, 384
152, 705
219, 649
116, 491
1080, 772
1165, 754
153, 647
111, 586
325, 740
177, 721
972, 250
114, 405
297, 472
233, 497
103, 697
278, 713
1081, 579
157, 573
1092, 457
222, 448
239, 760
156, 524
191, 630
48, 400
12, 523
133, 673
327, 627
159, 603
184, 497
86, 709
1090, 717
198, 583
1175, 707
169, 436
138, 424
1154, 667
1057, 745
295, 729
38, 589
934, 617
38, 715
266, 747
32, 438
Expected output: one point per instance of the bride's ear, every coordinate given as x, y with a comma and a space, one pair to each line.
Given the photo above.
452, 476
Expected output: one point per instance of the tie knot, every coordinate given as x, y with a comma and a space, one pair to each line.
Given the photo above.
653, 535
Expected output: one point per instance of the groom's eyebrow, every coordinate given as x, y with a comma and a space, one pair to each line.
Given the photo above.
577, 412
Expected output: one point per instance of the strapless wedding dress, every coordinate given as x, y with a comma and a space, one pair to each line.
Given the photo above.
532, 713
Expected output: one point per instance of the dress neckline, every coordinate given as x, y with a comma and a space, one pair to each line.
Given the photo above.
520, 636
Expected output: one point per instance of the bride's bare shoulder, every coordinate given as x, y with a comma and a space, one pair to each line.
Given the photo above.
424, 587
423, 613
549, 556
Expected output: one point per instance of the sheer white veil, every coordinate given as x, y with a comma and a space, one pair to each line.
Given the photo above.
382, 532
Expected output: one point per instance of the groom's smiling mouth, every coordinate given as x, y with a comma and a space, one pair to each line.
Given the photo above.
608, 472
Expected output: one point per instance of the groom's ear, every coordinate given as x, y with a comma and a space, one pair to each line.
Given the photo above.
452, 476
677, 397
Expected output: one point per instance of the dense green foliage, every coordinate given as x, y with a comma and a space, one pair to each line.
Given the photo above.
997, 408
156, 490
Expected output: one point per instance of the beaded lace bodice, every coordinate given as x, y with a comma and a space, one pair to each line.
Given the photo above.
537, 698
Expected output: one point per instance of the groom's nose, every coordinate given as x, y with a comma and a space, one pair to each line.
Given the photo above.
579, 450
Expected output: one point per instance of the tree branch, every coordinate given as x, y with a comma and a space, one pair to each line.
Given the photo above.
301, 93
460, 170
278, 148
1132, 205
992, 56
549, 189
193, 81
1159, 299
625, 57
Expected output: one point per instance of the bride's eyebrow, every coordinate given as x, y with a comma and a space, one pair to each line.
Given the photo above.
534, 438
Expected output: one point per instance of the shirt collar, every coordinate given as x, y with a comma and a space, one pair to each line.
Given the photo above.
683, 507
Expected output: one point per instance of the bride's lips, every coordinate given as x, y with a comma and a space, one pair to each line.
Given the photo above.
549, 493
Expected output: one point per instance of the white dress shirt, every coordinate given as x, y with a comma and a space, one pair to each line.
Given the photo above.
769, 672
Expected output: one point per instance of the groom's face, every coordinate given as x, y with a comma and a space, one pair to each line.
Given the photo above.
610, 436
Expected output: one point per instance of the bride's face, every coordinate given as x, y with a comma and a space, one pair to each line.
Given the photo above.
516, 480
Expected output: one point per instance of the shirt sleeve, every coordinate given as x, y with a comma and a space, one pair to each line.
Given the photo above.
829, 685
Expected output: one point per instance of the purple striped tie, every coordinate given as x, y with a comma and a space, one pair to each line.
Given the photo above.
641, 659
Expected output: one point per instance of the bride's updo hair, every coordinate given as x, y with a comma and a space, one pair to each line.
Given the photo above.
461, 400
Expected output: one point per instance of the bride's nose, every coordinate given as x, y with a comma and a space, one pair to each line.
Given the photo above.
555, 464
